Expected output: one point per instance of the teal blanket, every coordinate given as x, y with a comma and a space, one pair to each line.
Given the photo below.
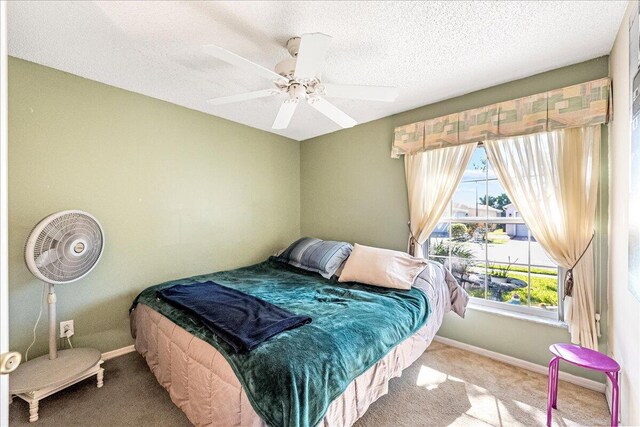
292, 378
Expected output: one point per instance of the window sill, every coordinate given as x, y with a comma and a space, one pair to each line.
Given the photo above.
515, 315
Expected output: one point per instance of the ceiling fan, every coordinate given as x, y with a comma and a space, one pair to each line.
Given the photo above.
298, 78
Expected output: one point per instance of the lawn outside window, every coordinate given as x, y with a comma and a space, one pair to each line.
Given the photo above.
488, 247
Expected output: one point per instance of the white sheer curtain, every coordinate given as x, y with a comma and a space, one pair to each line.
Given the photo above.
432, 177
552, 178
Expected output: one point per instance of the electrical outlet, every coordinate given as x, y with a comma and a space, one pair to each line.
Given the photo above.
66, 329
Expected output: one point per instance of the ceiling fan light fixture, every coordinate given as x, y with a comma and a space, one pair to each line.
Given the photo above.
299, 78
297, 91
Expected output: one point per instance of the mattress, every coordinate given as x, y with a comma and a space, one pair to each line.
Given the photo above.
202, 383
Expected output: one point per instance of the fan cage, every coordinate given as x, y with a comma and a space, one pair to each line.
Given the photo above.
64, 247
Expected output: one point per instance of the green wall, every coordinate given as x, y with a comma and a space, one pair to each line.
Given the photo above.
352, 190
182, 193
178, 193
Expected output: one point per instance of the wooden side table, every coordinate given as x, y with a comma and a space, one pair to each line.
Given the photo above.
36, 379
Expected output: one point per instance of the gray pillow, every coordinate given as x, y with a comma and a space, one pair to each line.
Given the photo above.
320, 256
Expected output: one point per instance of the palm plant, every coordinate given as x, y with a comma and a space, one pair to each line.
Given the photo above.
443, 251
502, 270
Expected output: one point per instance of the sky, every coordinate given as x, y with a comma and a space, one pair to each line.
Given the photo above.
468, 190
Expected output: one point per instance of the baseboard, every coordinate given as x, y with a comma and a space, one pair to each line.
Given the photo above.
118, 352
534, 367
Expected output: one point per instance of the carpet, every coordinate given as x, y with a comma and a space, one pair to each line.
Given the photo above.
444, 387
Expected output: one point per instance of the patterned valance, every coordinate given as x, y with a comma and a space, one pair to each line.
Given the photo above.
574, 106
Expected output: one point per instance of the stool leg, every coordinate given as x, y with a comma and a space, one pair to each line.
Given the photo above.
615, 397
556, 374
550, 391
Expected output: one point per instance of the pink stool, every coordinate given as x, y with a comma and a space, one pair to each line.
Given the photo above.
584, 358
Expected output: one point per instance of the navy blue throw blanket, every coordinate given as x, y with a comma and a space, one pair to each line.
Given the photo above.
242, 321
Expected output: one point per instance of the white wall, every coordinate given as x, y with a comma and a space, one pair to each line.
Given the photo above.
624, 309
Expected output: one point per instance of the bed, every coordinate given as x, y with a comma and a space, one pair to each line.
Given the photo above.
297, 378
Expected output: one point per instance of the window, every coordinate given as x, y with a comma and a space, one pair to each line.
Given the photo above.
488, 247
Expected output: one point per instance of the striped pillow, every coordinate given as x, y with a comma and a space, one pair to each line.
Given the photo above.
320, 256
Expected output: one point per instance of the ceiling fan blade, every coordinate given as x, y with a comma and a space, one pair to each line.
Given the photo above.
241, 62
369, 93
313, 49
332, 112
285, 114
242, 97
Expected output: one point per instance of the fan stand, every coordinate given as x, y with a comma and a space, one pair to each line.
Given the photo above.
43, 376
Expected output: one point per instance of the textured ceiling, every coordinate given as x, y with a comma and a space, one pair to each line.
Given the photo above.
429, 50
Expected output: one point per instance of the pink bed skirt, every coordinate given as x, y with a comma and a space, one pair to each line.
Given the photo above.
202, 383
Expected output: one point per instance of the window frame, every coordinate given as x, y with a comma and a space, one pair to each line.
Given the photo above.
528, 310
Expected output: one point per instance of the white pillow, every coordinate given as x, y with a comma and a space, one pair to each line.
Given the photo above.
381, 267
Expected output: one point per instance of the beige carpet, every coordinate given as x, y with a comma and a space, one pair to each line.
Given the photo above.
445, 387
451, 387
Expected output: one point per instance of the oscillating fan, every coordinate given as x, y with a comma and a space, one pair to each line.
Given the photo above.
62, 248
